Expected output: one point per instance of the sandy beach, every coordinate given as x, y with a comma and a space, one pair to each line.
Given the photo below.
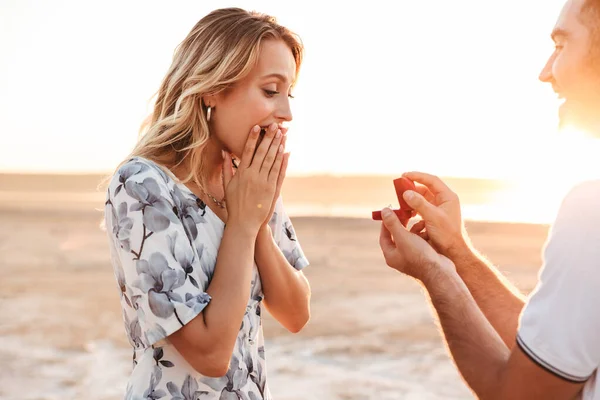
371, 335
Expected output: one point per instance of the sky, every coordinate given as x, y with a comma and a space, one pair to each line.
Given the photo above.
446, 87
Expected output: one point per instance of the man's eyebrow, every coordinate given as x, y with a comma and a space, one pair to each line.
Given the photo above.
559, 33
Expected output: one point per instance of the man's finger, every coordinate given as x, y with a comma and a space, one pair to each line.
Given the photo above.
425, 192
417, 202
385, 239
435, 184
418, 227
393, 224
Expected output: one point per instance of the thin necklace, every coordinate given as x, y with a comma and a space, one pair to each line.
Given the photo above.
220, 203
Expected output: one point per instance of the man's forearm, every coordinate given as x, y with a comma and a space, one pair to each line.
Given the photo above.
499, 300
475, 346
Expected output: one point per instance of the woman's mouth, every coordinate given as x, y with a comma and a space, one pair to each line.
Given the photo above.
264, 130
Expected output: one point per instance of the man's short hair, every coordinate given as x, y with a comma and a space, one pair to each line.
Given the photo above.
590, 15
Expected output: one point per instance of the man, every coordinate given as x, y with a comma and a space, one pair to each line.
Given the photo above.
506, 346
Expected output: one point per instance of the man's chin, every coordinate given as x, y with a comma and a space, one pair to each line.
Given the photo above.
565, 116
579, 117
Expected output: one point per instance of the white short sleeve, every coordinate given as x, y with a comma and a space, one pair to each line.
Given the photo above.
560, 324
158, 269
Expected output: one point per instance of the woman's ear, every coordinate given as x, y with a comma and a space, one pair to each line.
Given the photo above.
209, 100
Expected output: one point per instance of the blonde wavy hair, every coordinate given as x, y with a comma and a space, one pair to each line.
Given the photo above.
220, 50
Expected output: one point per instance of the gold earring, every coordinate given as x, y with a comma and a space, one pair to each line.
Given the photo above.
208, 113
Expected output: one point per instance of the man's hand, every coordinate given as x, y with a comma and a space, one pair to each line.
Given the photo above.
407, 252
439, 207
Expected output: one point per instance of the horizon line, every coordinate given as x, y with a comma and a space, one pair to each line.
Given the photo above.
289, 175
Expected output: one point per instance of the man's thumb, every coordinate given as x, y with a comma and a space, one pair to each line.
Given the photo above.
392, 222
420, 204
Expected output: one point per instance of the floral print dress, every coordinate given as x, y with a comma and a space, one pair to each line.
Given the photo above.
164, 243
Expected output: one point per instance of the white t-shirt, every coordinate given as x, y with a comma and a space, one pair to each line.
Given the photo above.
560, 324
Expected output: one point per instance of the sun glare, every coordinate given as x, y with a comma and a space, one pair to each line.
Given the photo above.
555, 166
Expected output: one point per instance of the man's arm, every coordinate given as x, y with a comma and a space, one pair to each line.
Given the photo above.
490, 369
558, 348
499, 300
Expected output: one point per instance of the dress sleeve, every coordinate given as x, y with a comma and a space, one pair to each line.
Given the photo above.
157, 264
286, 238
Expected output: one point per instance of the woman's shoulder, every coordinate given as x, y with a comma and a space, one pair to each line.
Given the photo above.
143, 168
138, 170
144, 184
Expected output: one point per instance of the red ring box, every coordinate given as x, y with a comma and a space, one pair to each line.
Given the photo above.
401, 185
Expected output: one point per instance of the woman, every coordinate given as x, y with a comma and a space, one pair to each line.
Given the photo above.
199, 239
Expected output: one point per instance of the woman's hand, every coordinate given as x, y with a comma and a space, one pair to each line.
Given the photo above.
280, 179
251, 191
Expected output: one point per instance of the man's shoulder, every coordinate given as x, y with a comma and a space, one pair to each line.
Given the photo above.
584, 190
576, 229
582, 201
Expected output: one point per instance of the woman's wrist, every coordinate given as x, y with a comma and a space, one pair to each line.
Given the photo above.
243, 227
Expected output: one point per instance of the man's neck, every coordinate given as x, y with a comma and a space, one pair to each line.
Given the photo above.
587, 121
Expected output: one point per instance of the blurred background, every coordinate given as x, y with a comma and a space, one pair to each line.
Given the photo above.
449, 88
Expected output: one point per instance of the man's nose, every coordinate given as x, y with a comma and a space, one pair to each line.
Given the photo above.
546, 73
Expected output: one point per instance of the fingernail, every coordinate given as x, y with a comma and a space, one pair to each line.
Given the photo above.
408, 195
256, 129
273, 126
278, 134
281, 148
386, 212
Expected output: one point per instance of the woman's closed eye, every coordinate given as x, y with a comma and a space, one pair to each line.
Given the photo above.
271, 93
